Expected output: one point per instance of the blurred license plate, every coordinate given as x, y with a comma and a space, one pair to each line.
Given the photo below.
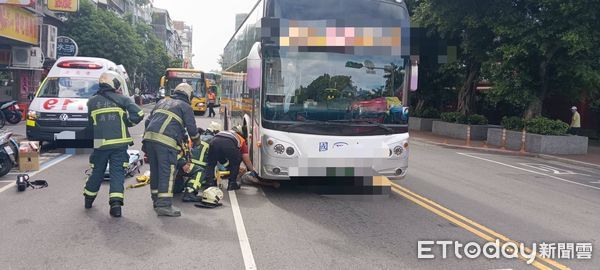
8, 150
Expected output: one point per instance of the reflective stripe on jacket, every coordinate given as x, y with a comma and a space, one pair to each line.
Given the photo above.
169, 122
111, 120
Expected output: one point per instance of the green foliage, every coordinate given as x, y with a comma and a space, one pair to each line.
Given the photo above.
545, 126
453, 117
100, 33
544, 47
427, 113
513, 123
460, 118
476, 119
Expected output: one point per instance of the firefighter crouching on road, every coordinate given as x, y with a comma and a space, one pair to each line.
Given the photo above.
166, 130
111, 114
229, 146
191, 173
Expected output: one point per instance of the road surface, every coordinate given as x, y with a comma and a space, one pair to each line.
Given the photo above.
449, 195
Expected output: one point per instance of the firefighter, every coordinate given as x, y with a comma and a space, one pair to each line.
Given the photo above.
110, 114
166, 129
229, 146
194, 169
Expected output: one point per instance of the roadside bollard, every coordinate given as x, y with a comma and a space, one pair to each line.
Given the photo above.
503, 139
469, 135
523, 138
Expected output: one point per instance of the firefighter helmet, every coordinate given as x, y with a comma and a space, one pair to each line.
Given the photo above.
211, 198
112, 79
185, 89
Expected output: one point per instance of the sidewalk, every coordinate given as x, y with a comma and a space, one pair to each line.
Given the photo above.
592, 158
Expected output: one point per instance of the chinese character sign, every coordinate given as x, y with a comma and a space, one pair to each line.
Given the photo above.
63, 5
18, 24
66, 46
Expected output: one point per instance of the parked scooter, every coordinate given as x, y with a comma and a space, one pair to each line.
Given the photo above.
9, 153
11, 112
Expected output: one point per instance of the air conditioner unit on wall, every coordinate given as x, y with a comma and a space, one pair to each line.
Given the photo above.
49, 34
20, 56
27, 57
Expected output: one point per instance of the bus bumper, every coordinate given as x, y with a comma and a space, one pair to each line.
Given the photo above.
363, 157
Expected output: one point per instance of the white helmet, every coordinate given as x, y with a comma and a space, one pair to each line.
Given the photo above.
112, 79
573, 108
185, 89
211, 197
215, 126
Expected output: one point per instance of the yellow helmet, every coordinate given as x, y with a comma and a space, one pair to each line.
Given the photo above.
185, 89
112, 79
239, 130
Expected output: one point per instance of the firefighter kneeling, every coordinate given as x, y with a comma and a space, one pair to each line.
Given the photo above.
190, 178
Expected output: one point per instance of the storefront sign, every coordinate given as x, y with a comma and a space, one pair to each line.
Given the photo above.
18, 2
4, 57
63, 5
18, 24
66, 46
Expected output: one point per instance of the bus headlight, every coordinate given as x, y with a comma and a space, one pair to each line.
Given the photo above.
278, 148
398, 150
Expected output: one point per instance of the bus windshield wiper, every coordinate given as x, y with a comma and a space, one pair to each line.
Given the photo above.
380, 125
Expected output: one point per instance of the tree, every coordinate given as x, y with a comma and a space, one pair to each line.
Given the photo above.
470, 21
100, 33
545, 47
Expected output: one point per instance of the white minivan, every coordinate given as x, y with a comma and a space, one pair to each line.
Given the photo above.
59, 109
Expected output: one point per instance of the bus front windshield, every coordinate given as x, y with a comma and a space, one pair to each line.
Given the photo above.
197, 85
335, 89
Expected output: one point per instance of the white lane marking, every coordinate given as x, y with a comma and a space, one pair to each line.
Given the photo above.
241, 232
548, 168
43, 168
518, 168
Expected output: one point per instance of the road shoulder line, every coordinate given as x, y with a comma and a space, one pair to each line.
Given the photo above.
530, 171
249, 262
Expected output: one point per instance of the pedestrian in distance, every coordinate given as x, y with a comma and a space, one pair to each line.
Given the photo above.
575, 122
111, 114
167, 130
229, 147
212, 101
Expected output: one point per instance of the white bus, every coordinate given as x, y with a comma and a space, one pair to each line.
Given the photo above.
318, 85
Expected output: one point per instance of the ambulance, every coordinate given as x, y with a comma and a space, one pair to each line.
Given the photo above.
59, 110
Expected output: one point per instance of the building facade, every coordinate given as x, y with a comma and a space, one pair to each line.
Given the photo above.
21, 55
164, 29
186, 33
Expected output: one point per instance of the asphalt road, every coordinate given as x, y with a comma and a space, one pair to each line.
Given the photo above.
448, 195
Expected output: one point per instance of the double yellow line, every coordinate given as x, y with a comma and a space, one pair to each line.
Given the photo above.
472, 226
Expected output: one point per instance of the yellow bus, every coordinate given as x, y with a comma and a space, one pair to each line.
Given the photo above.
195, 78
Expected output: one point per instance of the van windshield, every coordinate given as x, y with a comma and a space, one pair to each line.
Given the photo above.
67, 87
